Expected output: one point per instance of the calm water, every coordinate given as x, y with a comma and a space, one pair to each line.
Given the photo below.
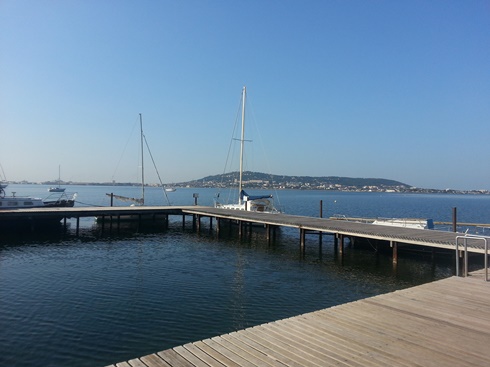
93, 300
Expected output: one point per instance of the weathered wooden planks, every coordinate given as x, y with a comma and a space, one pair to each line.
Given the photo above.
421, 237
444, 323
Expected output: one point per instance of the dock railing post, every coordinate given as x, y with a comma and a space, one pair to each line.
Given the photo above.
464, 255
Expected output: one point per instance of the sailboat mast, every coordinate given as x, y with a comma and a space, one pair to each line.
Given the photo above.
142, 162
242, 141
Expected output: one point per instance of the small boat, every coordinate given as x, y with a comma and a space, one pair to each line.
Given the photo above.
405, 222
170, 189
416, 223
57, 188
256, 203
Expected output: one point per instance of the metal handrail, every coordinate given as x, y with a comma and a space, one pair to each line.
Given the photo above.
465, 244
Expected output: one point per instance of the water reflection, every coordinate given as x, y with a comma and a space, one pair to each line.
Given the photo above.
102, 297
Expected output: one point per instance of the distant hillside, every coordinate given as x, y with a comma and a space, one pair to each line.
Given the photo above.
262, 180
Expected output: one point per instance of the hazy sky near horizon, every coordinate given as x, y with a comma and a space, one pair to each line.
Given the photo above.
383, 89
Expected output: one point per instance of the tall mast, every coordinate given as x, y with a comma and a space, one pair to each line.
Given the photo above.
142, 163
242, 140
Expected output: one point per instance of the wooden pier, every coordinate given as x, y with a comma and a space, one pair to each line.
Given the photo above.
395, 236
341, 229
444, 323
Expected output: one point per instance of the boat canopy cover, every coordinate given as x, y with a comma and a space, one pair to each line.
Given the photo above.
257, 197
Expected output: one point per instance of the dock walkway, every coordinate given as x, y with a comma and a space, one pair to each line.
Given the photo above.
394, 235
422, 237
443, 323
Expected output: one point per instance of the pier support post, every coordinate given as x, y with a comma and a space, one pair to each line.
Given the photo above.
210, 224
320, 241
197, 221
183, 221
240, 228
78, 224
268, 232
455, 221
302, 241
320, 233
394, 245
218, 225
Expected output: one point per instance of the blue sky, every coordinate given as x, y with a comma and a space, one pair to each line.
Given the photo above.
386, 89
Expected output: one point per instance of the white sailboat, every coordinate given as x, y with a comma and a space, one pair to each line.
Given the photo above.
257, 203
141, 200
57, 188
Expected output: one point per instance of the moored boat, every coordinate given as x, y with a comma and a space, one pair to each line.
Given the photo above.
57, 188
138, 201
27, 202
20, 208
405, 222
254, 203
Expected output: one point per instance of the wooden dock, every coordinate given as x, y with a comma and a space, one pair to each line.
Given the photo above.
444, 323
394, 235
339, 229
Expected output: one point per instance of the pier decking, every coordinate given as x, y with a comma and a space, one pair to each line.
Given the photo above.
394, 235
444, 323
421, 237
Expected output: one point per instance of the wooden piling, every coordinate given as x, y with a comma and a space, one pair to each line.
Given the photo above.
455, 221
302, 235
394, 245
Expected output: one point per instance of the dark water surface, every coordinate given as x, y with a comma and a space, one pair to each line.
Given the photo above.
98, 299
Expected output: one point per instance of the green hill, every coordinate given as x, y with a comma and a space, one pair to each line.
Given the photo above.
263, 180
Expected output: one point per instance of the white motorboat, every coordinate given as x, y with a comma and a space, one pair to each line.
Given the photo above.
27, 202
405, 222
